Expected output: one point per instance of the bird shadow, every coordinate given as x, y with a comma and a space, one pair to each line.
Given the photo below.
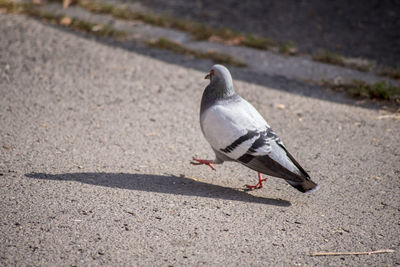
170, 184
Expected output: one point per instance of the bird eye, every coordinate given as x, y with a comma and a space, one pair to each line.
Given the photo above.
212, 72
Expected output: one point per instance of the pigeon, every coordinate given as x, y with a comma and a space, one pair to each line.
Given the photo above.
237, 132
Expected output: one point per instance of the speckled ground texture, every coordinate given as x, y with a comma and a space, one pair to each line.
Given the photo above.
96, 141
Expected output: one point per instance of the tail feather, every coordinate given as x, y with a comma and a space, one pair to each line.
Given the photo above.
304, 186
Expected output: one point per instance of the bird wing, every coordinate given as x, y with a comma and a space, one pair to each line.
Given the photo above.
278, 162
239, 132
232, 127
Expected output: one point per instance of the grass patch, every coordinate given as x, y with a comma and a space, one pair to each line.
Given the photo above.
166, 44
258, 42
389, 72
356, 63
198, 30
288, 48
328, 57
15, 8
63, 20
382, 90
102, 30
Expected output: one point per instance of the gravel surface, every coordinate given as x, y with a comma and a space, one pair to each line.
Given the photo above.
368, 29
95, 144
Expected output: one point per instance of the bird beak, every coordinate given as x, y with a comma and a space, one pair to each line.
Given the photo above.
208, 76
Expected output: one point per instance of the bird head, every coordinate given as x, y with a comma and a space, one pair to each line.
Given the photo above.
220, 77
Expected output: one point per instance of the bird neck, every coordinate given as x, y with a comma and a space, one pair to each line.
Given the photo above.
219, 91
212, 94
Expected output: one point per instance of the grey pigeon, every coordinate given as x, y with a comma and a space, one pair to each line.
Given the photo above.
237, 132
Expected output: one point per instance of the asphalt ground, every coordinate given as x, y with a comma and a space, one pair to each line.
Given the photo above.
96, 141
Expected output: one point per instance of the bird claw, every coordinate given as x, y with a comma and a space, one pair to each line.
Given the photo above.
203, 162
258, 185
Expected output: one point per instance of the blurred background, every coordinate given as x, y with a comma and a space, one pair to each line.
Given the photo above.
368, 29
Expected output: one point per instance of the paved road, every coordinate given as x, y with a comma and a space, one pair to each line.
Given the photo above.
94, 160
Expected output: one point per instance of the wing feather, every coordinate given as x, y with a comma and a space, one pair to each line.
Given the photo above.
238, 132
232, 127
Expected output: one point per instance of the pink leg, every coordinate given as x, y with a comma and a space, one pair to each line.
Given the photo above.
259, 184
203, 161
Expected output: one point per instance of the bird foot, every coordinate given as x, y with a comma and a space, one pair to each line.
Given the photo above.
203, 162
258, 185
